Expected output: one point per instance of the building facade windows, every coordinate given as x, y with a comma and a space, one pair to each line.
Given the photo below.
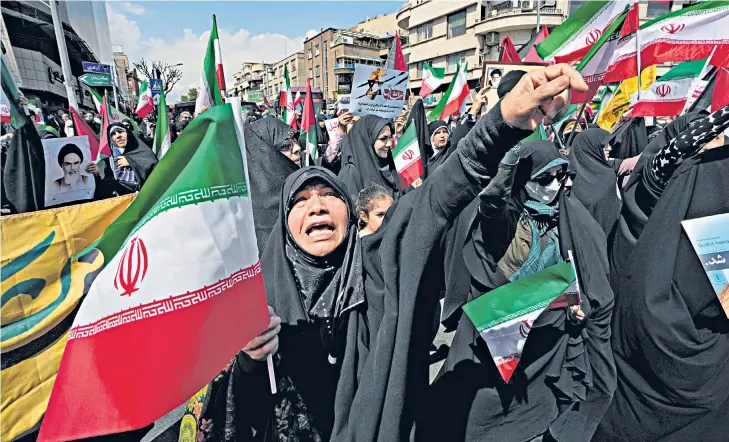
455, 59
656, 9
316, 50
457, 24
425, 31
317, 70
308, 53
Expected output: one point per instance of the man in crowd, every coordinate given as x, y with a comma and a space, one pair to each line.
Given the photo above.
70, 158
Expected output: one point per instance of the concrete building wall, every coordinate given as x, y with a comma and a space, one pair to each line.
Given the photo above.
319, 61
274, 78
380, 25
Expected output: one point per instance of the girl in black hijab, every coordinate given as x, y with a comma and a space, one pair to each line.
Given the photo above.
130, 165
367, 157
670, 333
565, 377
596, 182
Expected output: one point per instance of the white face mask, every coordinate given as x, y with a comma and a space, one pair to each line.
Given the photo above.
543, 194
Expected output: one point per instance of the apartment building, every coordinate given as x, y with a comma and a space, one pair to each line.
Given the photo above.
249, 80
332, 54
273, 81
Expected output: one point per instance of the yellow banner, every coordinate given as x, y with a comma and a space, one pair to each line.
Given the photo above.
44, 276
620, 101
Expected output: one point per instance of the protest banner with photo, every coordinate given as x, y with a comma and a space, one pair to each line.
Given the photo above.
66, 176
378, 91
45, 275
332, 127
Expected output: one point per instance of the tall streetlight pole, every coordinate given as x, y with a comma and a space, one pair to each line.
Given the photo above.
63, 54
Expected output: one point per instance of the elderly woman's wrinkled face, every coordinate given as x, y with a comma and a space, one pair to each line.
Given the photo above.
318, 220
440, 137
383, 143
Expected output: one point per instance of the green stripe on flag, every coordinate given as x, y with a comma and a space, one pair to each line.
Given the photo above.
520, 297
688, 69
561, 35
205, 165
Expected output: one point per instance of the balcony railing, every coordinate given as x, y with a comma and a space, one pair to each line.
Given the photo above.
344, 66
495, 13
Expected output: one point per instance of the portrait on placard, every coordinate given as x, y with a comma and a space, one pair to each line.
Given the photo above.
66, 176
494, 76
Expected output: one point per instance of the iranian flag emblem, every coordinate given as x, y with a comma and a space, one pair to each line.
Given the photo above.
408, 163
505, 316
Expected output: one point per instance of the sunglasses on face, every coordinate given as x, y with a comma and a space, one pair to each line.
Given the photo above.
546, 178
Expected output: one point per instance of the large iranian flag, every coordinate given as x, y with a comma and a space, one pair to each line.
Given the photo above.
453, 101
687, 34
162, 138
597, 61
668, 96
504, 316
408, 162
212, 79
432, 78
287, 100
145, 103
180, 293
574, 38
308, 125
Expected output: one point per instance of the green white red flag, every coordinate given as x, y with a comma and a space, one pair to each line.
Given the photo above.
504, 316
573, 39
287, 101
596, 62
454, 99
407, 157
212, 80
668, 95
162, 138
308, 125
432, 78
531, 55
179, 295
687, 34
115, 115
145, 103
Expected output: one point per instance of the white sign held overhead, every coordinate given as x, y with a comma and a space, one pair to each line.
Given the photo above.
378, 91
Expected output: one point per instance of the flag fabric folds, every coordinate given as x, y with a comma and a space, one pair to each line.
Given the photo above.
104, 147
668, 95
395, 59
212, 81
145, 103
309, 124
574, 38
529, 52
407, 157
687, 34
432, 78
508, 52
162, 138
504, 316
287, 101
181, 271
613, 109
82, 128
454, 99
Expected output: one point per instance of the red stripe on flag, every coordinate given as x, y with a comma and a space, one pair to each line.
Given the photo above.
658, 53
658, 108
508, 51
125, 377
454, 107
411, 173
632, 21
573, 56
84, 129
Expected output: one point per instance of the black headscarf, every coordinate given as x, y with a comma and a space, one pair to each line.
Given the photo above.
267, 171
630, 139
300, 286
360, 165
670, 333
596, 183
438, 158
417, 114
633, 215
508, 82
565, 377
140, 157
24, 170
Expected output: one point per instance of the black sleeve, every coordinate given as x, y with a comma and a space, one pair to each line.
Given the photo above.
464, 126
